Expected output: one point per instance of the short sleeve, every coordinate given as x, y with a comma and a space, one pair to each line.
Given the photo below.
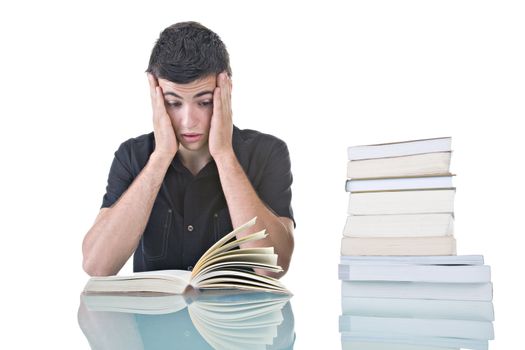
275, 187
119, 178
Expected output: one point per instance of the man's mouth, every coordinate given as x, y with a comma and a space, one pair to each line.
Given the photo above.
191, 137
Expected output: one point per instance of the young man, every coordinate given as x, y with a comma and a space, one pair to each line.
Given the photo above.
174, 192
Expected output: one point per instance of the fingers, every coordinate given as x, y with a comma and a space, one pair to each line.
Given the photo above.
153, 84
224, 87
217, 101
156, 94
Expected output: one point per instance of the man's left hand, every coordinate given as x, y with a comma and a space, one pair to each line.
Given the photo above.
221, 128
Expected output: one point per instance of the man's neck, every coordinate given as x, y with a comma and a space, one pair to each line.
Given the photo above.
194, 161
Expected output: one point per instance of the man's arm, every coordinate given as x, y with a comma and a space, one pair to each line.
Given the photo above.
243, 202
117, 230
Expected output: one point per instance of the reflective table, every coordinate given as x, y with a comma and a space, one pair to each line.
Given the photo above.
200, 320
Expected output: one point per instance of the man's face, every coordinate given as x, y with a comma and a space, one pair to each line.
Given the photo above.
190, 107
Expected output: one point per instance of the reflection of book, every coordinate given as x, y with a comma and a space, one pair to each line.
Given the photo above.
394, 326
399, 183
232, 321
417, 290
444, 245
402, 202
398, 149
399, 225
410, 165
221, 266
419, 308
416, 273
377, 342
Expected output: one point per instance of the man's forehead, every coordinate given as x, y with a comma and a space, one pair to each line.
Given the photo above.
199, 84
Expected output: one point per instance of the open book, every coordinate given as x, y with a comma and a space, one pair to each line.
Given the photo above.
232, 320
224, 266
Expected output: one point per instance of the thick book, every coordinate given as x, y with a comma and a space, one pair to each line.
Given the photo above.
416, 273
399, 225
394, 326
401, 202
223, 266
413, 165
413, 260
397, 149
417, 290
419, 308
399, 183
235, 321
443, 245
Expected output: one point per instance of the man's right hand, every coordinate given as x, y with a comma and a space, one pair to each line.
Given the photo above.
166, 143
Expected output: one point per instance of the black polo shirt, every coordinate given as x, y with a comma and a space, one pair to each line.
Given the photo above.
190, 212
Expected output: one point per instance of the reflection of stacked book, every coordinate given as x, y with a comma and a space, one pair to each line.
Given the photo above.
401, 199
238, 320
436, 301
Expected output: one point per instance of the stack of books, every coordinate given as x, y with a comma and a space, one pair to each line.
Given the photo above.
402, 284
401, 199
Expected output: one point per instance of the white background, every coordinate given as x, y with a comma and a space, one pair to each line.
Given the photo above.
322, 76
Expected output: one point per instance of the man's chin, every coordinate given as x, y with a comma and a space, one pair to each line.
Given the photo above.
194, 147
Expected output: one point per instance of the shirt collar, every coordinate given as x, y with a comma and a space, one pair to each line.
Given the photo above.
210, 169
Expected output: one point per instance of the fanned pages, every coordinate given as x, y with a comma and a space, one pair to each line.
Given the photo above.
223, 265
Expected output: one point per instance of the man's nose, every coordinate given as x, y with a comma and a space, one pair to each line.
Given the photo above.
189, 118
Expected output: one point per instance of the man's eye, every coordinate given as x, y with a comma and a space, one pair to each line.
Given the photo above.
173, 104
206, 103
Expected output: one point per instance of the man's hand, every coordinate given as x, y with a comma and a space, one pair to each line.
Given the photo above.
166, 143
221, 128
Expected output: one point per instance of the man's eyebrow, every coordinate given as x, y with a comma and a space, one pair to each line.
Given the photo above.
199, 94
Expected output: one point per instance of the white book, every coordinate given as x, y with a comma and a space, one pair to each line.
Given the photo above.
399, 225
223, 266
419, 308
412, 165
393, 326
401, 202
378, 342
413, 260
399, 183
415, 273
442, 245
397, 149
417, 290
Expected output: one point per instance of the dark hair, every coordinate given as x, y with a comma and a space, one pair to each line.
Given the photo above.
187, 51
